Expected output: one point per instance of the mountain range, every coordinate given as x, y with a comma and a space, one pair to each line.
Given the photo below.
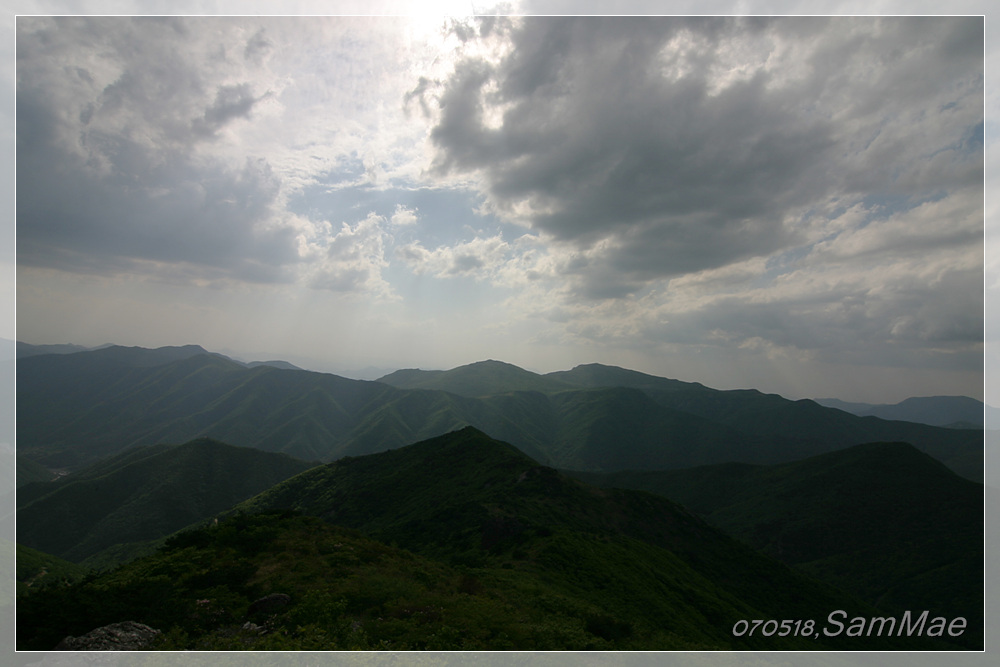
481, 508
74, 409
169, 352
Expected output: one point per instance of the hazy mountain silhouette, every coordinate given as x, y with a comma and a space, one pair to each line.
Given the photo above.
949, 411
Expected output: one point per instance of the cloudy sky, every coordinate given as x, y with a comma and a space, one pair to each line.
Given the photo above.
791, 204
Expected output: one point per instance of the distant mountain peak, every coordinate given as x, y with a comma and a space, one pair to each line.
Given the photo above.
274, 363
461, 442
932, 410
191, 347
603, 375
494, 362
481, 378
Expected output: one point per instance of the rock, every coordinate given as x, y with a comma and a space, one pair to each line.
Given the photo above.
124, 636
268, 604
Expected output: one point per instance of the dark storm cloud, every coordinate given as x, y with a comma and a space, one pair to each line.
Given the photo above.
419, 93
110, 116
666, 146
258, 47
466, 263
231, 102
72, 219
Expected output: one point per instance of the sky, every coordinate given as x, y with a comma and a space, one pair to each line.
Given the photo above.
793, 204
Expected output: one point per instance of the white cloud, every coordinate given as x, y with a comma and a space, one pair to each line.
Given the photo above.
349, 260
404, 216
955, 221
480, 258
149, 142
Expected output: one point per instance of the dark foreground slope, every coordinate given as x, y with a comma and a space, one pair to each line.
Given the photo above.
330, 588
490, 551
469, 500
143, 494
37, 570
882, 520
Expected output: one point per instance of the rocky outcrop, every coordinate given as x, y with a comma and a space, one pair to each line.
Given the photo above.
124, 636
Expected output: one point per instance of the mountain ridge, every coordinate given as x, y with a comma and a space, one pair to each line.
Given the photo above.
946, 411
75, 408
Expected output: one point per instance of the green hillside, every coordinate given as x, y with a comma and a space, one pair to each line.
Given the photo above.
410, 416
882, 520
472, 501
622, 428
489, 551
344, 592
143, 494
28, 471
100, 410
37, 570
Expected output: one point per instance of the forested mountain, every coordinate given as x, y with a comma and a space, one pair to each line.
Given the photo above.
37, 570
882, 520
142, 494
28, 471
491, 547
74, 409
